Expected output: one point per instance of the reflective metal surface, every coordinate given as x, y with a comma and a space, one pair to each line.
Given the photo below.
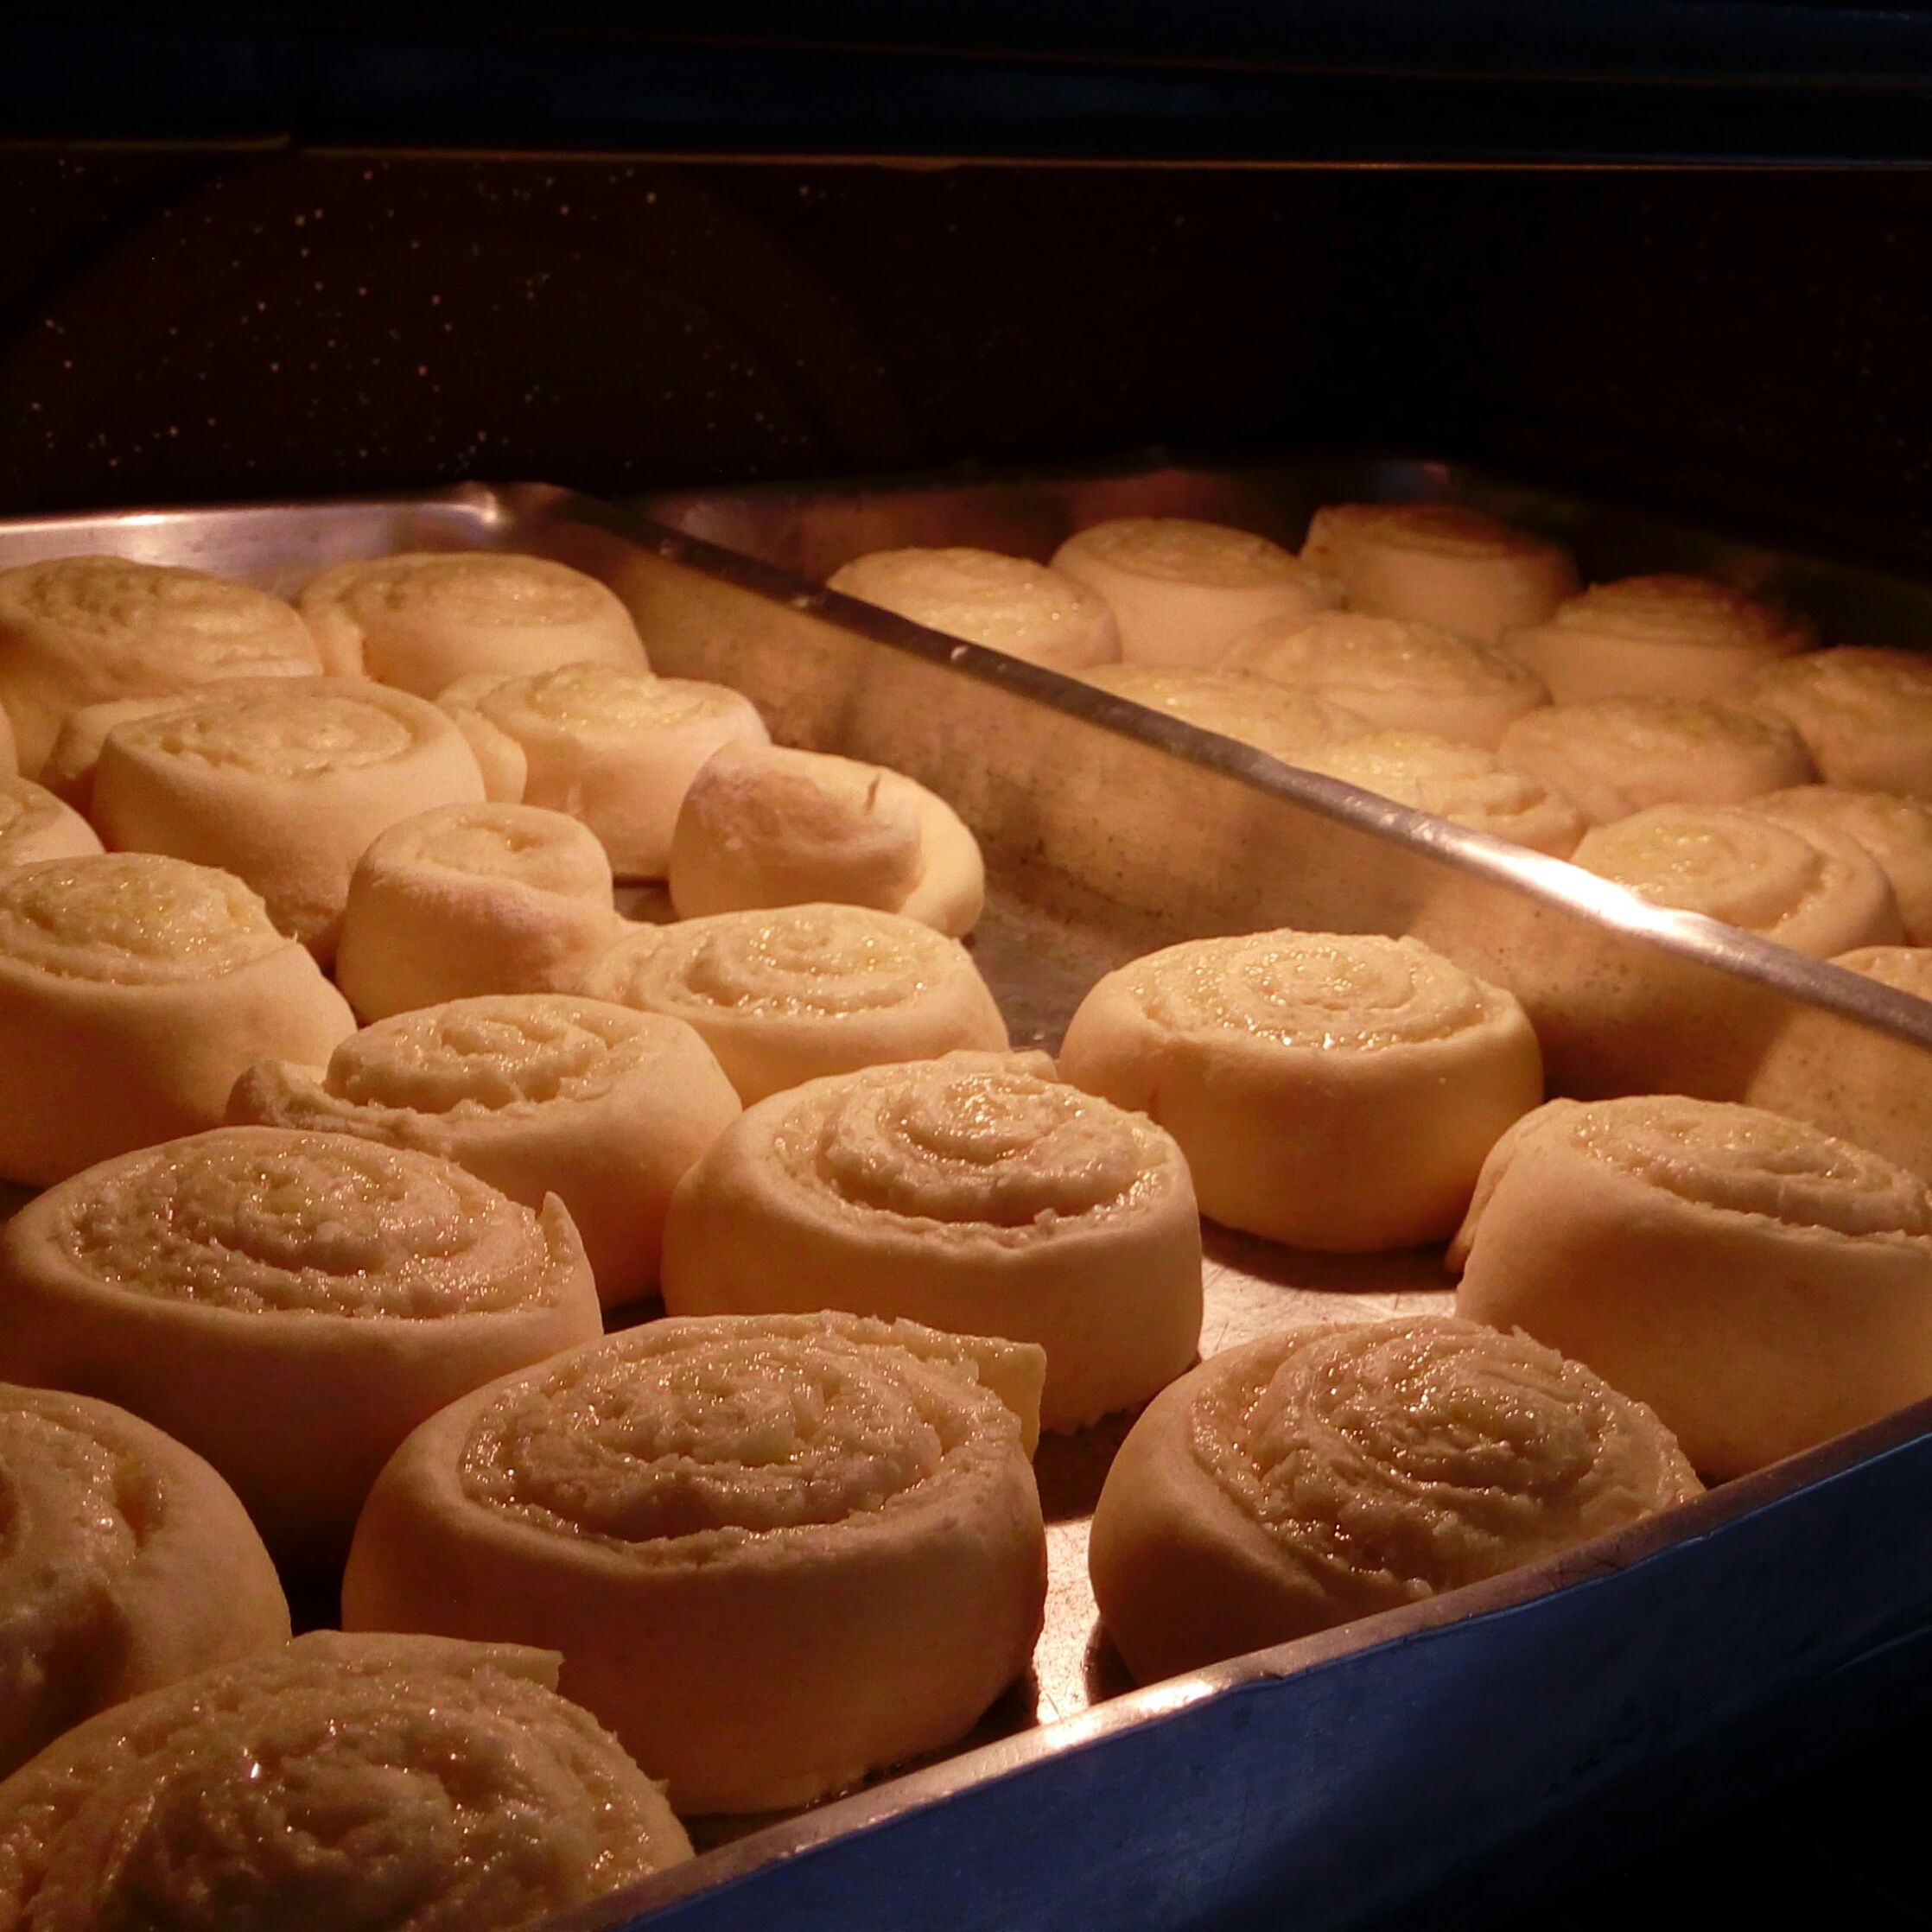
1108, 830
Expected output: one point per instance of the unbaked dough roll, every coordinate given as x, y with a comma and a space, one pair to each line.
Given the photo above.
1005, 603
474, 898
1657, 637
976, 1193
1843, 1078
78, 630
422, 621
1806, 887
1287, 725
617, 748
133, 989
1896, 831
125, 1562
362, 1783
1615, 755
1440, 562
1763, 1285
1864, 715
289, 1306
777, 1553
35, 825
1398, 674
537, 1094
1181, 592
764, 826
802, 991
1333, 1090
1456, 781
1324, 1474
282, 782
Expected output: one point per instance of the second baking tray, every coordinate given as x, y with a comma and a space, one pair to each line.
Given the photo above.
1353, 1770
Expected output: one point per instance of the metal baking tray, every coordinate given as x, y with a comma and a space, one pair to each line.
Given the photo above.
1351, 1770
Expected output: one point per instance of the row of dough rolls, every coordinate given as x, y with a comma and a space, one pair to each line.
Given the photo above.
375, 1784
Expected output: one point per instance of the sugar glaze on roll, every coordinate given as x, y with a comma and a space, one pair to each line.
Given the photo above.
1333, 1471
975, 1192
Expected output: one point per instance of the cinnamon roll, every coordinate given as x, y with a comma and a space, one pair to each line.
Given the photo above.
1440, 563
1398, 674
80, 630
1286, 724
1806, 887
1181, 592
1458, 782
1326, 1474
1615, 755
1679, 636
289, 1306
1005, 603
473, 898
423, 619
976, 1193
801, 991
1896, 831
764, 826
537, 1094
1864, 715
1761, 1285
1332, 1090
125, 1563
777, 1553
364, 1783
133, 989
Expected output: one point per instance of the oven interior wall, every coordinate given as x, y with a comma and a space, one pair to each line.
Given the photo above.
1747, 349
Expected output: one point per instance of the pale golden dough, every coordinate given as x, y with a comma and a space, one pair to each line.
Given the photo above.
615, 748
761, 825
1442, 563
1896, 831
35, 825
474, 898
1864, 715
777, 1553
358, 1783
289, 1306
1615, 755
282, 782
1332, 1090
1763, 1285
133, 989
1005, 603
976, 1193
799, 992
1181, 591
422, 621
9, 751
1326, 1474
1287, 725
1397, 673
125, 1562
1843, 1078
1456, 781
537, 1094
1805, 886
1657, 637
80, 630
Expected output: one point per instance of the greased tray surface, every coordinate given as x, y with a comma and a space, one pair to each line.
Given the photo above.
1351, 1769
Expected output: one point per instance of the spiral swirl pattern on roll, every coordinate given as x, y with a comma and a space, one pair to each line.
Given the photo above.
408, 1784
819, 1536
1412, 1457
788, 994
